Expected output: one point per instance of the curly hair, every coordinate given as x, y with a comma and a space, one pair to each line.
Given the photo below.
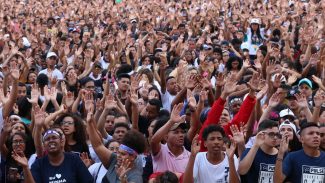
135, 140
80, 133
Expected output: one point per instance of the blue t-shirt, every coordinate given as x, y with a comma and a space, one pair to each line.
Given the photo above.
71, 170
262, 168
299, 167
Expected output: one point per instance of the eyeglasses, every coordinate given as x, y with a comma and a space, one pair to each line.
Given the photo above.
18, 142
272, 135
70, 123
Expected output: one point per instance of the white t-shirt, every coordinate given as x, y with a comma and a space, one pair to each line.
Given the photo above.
250, 44
104, 64
167, 100
98, 171
55, 73
204, 171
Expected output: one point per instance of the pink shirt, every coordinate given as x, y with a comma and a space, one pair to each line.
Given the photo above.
166, 160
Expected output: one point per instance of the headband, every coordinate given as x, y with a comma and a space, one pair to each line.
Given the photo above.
128, 149
50, 132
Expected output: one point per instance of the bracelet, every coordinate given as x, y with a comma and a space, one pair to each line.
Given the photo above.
279, 159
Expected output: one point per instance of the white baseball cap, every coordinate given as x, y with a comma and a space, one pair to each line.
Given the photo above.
255, 21
51, 54
286, 112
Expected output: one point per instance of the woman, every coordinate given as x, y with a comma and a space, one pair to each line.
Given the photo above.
74, 132
289, 130
146, 63
97, 170
13, 172
254, 36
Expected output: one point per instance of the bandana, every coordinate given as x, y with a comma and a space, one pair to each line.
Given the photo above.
50, 132
128, 149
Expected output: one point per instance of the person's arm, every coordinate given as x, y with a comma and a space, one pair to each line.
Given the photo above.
134, 108
278, 175
159, 135
247, 107
23, 162
103, 153
39, 118
8, 106
303, 104
101, 123
247, 161
179, 97
218, 106
163, 78
194, 123
233, 176
5, 132
195, 148
77, 101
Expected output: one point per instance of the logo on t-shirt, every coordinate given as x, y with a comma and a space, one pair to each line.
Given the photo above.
313, 174
57, 178
266, 173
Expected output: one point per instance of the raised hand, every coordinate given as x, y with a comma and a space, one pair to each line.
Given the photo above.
14, 71
110, 103
191, 100
301, 100
175, 114
237, 135
7, 125
89, 102
260, 138
230, 85
196, 143
20, 159
47, 93
39, 115
284, 144
220, 80
319, 98
274, 100
230, 150
203, 96
85, 159
123, 169
254, 82
53, 93
3, 98
69, 99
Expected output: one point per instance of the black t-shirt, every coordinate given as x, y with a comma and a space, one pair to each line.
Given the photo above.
71, 170
144, 123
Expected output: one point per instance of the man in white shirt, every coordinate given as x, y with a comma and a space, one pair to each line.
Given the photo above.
215, 165
51, 71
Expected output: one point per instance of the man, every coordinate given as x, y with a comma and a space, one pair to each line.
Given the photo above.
51, 71
22, 90
215, 165
58, 166
306, 165
257, 163
171, 156
123, 83
148, 114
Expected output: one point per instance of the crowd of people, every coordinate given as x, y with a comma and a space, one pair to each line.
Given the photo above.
162, 91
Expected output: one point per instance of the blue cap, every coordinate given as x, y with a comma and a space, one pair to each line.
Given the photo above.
307, 82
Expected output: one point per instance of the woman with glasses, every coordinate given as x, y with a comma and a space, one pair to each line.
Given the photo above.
14, 129
13, 171
74, 131
97, 170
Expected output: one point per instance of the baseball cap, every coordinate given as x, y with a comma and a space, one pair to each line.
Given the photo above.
286, 112
255, 21
307, 82
288, 123
182, 125
51, 54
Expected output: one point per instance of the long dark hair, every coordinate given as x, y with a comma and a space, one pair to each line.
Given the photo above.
28, 138
80, 134
257, 33
295, 144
